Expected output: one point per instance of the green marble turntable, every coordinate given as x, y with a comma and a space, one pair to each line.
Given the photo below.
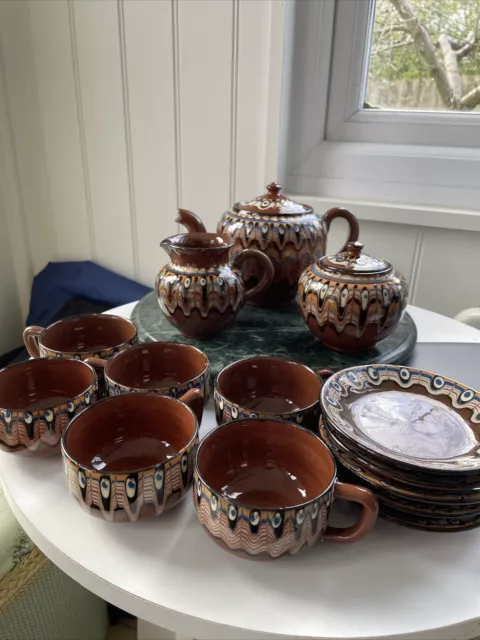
273, 332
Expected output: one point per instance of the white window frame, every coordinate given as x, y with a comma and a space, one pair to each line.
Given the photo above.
335, 149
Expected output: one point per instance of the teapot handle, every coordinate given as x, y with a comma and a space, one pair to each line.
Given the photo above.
190, 220
340, 212
265, 263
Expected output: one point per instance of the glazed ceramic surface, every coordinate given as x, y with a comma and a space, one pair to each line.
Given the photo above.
366, 473
81, 337
351, 301
263, 488
272, 332
289, 233
167, 368
440, 524
269, 388
201, 290
410, 416
38, 398
413, 478
131, 456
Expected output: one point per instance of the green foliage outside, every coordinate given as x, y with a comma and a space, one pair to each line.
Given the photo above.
396, 56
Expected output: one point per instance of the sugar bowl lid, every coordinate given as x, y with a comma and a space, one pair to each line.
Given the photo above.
274, 202
354, 262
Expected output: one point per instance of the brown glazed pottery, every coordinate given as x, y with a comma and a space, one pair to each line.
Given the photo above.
411, 418
269, 388
289, 233
201, 289
92, 335
132, 455
351, 301
265, 487
409, 435
38, 398
168, 368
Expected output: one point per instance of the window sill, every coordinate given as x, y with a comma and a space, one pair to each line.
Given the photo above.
440, 218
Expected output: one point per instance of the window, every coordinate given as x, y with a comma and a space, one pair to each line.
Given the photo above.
421, 142
424, 55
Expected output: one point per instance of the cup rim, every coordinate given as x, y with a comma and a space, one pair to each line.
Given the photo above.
30, 361
270, 414
103, 315
239, 503
67, 455
144, 345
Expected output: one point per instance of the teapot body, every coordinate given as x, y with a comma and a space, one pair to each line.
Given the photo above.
289, 233
291, 242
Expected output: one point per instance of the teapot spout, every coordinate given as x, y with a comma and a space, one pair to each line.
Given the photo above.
190, 220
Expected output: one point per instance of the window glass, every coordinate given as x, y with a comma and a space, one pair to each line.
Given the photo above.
425, 55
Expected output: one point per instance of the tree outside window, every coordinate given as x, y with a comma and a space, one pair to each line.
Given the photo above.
425, 55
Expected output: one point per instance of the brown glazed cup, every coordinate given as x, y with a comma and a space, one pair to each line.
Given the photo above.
167, 368
92, 335
269, 388
264, 487
132, 455
38, 398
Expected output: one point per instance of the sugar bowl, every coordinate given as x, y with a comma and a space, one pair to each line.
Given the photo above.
351, 300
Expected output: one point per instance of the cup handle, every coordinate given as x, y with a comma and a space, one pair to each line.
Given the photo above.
323, 374
97, 363
340, 212
265, 263
30, 339
194, 399
368, 517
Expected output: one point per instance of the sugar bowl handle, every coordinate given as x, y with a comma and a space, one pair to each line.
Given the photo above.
368, 517
340, 212
265, 263
30, 339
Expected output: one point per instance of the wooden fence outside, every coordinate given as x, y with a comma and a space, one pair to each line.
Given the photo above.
420, 93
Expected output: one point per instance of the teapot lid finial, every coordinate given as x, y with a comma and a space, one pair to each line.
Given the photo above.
273, 202
273, 190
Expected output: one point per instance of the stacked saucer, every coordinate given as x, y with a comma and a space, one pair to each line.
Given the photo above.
411, 436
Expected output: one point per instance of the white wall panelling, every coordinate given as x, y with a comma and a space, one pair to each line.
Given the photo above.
53, 65
113, 114
10, 311
97, 34
14, 234
206, 71
22, 107
149, 54
447, 279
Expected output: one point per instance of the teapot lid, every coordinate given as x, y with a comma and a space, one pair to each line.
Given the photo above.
355, 262
273, 202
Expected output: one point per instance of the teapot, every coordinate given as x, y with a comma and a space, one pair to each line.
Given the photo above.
289, 233
201, 290
351, 301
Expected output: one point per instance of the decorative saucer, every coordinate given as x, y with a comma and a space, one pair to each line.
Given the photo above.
359, 468
413, 417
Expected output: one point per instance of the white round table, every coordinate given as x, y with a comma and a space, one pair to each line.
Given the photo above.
167, 571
